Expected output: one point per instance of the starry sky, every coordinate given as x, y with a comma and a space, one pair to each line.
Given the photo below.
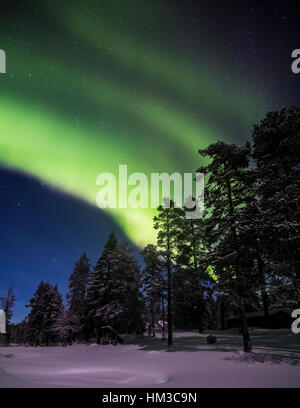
94, 84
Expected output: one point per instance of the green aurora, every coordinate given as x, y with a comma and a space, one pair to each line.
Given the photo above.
89, 86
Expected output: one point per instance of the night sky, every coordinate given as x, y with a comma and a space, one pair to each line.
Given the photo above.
94, 84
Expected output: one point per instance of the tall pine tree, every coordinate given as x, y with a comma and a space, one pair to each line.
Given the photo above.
167, 224
191, 273
228, 191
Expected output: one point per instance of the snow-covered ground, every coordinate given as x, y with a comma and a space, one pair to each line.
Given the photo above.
275, 362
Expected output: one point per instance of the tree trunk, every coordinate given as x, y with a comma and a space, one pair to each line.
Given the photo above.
98, 336
222, 313
163, 317
245, 330
265, 297
170, 322
200, 323
152, 321
244, 323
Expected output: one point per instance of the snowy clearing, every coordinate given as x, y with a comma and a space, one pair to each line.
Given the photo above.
274, 362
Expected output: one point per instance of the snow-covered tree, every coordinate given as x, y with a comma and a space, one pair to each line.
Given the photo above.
46, 306
114, 297
153, 284
76, 297
66, 326
128, 291
277, 157
98, 293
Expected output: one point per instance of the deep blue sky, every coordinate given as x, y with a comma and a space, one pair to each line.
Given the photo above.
43, 232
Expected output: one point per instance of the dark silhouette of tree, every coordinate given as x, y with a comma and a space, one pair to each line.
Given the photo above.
228, 191
46, 306
114, 297
191, 273
167, 223
154, 285
76, 297
277, 157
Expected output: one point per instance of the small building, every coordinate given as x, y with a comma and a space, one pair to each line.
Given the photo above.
278, 319
2, 322
160, 324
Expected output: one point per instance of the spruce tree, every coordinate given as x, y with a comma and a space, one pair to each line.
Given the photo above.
128, 292
66, 326
78, 283
114, 296
46, 306
154, 285
98, 296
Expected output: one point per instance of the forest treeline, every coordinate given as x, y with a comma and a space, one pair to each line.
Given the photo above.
242, 255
